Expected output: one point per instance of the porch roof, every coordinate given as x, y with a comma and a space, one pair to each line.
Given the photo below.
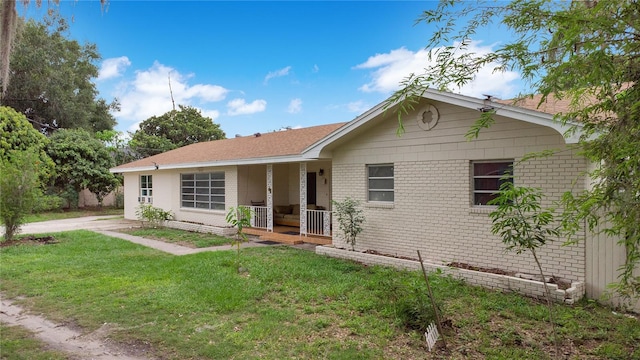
278, 146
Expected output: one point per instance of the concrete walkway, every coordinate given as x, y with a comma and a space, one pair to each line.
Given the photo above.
106, 224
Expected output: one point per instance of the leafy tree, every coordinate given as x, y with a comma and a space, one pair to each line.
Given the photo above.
17, 134
19, 189
51, 79
174, 129
586, 52
117, 144
350, 219
239, 217
82, 161
8, 25
524, 226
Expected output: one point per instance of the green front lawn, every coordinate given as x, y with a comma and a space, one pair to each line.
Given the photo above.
180, 237
291, 304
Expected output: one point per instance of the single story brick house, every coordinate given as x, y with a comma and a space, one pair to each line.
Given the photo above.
425, 190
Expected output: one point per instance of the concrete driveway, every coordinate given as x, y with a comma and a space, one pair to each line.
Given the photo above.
105, 224
96, 223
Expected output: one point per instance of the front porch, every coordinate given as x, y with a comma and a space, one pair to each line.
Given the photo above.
289, 202
287, 235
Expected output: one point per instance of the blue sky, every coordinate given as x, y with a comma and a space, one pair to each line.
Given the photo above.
259, 66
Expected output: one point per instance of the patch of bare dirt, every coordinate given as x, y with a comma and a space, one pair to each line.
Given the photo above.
95, 345
30, 240
374, 252
465, 266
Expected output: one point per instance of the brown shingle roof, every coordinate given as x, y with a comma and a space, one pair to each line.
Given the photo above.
273, 144
551, 105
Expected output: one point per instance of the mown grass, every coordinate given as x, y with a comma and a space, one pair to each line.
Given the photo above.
68, 214
18, 343
181, 237
290, 304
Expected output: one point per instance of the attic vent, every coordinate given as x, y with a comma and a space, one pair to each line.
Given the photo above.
257, 134
428, 117
238, 135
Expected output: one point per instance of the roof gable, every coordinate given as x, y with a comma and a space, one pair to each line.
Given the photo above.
501, 108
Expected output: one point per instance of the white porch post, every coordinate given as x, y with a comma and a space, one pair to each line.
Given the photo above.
303, 198
269, 197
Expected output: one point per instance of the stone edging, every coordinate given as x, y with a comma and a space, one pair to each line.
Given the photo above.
222, 231
488, 280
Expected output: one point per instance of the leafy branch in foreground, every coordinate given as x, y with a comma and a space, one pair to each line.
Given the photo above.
586, 53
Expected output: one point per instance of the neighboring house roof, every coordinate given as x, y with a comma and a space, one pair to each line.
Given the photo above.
278, 146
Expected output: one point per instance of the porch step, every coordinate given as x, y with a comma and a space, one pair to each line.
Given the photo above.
273, 236
317, 240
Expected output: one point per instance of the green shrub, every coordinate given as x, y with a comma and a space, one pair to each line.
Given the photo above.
19, 189
350, 219
119, 198
70, 197
48, 203
153, 215
406, 299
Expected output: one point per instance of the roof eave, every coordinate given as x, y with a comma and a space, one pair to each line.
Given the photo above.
235, 162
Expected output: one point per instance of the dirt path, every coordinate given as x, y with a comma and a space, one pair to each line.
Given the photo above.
95, 345
91, 346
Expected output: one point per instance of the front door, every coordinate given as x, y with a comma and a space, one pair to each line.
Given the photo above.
311, 188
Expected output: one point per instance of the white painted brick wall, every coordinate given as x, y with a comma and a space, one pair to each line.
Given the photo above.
432, 210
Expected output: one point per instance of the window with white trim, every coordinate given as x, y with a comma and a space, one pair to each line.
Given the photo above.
380, 182
202, 191
146, 185
487, 176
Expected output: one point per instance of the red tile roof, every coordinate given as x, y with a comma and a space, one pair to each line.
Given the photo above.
267, 145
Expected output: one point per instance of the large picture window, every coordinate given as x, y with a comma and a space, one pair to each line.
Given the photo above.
146, 185
380, 182
202, 191
487, 178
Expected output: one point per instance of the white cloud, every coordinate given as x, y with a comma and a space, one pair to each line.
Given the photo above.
114, 67
358, 107
315, 68
389, 69
277, 73
240, 107
148, 95
213, 114
295, 106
